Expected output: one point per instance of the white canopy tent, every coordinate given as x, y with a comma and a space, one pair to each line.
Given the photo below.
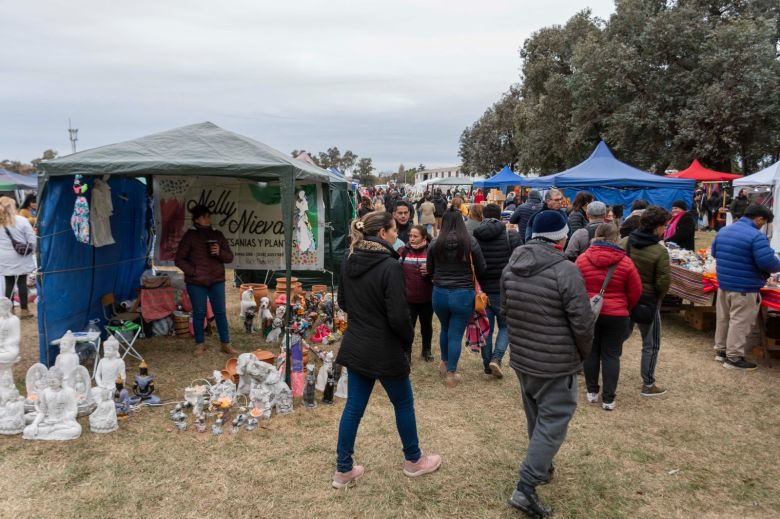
770, 178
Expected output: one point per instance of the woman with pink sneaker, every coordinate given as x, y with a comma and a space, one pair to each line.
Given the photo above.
377, 344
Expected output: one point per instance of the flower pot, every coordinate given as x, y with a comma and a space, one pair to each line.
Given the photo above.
258, 289
319, 289
265, 356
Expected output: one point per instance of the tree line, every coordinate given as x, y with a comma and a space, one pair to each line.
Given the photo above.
662, 82
22, 168
361, 168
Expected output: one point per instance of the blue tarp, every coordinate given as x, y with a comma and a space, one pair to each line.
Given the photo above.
614, 182
74, 276
501, 180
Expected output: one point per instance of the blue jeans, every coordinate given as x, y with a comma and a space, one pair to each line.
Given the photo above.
502, 338
453, 307
198, 296
429, 228
359, 388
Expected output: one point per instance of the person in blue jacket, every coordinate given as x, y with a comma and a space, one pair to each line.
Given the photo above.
744, 262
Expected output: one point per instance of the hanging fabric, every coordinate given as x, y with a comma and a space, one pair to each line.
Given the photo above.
100, 214
79, 221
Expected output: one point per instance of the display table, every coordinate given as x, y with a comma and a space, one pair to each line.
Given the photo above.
158, 303
693, 286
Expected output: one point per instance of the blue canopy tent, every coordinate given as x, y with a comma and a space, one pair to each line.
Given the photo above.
9, 178
501, 180
616, 183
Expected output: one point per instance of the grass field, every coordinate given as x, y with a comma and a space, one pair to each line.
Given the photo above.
706, 449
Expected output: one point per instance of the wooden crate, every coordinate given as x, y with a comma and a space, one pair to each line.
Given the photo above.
701, 318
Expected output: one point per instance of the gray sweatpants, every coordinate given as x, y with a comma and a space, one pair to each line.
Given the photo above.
549, 406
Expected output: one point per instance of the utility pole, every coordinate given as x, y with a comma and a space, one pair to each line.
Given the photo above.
73, 135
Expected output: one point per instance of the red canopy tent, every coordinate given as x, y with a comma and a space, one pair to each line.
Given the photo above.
699, 173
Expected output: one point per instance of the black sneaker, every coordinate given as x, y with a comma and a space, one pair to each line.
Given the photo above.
739, 363
527, 501
550, 474
720, 356
427, 356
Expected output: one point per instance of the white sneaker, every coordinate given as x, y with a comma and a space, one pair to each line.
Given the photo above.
609, 406
593, 398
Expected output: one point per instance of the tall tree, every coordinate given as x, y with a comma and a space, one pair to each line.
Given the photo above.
365, 169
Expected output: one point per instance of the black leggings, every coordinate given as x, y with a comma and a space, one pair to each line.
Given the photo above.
608, 337
21, 285
425, 313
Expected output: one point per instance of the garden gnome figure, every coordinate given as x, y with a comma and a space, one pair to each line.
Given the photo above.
56, 411
103, 419
11, 406
110, 366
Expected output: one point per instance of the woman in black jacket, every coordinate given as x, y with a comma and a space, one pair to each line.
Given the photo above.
578, 218
377, 344
450, 259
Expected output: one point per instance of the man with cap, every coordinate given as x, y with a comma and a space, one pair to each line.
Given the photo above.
580, 240
744, 260
682, 226
550, 324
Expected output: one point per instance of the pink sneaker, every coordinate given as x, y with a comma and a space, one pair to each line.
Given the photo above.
347, 479
425, 465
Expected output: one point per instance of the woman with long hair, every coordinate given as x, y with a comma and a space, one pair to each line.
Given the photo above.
365, 207
29, 208
377, 344
475, 218
13, 265
612, 325
578, 218
414, 259
454, 260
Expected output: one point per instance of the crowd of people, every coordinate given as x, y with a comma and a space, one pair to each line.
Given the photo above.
562, 293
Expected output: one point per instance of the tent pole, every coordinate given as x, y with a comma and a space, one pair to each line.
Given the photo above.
289, 196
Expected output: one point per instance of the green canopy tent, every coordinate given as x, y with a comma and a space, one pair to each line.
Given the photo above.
202, 149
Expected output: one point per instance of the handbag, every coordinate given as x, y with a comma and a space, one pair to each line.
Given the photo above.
645, 309
480, 298
21, 248
597, 301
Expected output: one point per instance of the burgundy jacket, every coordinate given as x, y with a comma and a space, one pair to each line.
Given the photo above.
419, 289
625, 287
193, 258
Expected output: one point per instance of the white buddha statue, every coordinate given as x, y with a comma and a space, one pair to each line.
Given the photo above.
10, 334
35, 382
103, 419
81, 383
11, 406
68, 359
56, 411
110, 366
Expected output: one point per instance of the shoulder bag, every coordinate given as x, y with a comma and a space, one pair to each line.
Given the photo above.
480, 298
597, 301
644, 311
21, 248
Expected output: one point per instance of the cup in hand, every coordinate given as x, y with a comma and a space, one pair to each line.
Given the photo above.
213, 247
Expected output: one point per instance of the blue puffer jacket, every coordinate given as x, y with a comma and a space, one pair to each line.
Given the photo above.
744, 257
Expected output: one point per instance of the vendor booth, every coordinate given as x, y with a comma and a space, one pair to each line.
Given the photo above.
616, 183
268, 205
502, 180
766, 180
699, 173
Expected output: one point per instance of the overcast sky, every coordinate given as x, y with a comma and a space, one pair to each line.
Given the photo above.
393, 80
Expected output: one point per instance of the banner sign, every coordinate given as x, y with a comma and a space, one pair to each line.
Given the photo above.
250, 217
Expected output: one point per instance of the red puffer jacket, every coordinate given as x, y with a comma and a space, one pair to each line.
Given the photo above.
624, 288
419, 289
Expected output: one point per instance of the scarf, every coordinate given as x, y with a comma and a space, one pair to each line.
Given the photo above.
477, 330
672, 228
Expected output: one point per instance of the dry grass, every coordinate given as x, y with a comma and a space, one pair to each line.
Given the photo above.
707, 449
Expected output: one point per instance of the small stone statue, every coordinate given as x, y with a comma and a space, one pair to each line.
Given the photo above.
103, 419
260, 396
121, 398
322, 376
111, 366
80, 382
10, 334
56, 411
281, 393
276, 331
68, 359
309, 397
266, 317
11, 406
35, 382
144, 387
341, 385
327, 394
247, 302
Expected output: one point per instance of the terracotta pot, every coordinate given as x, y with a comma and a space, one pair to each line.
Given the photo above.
230, 369
319, 289
258, 289
265, 356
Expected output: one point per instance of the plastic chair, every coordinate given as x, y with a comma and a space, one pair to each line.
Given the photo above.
127, 331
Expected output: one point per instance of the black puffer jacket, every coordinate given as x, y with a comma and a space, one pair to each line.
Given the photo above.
454, 272
577, 220
523, 214
440, 205
547, 309
497, 245
379, 336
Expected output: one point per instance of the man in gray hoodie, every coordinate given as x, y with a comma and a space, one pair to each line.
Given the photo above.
550, 322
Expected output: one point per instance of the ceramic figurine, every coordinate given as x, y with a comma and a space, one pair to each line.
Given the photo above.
111, 366
103, 419
266, 317
251, 424
11, 406
68, 359
35, 383
144, 387
322, 376
247, 302
341, 385
200, 423
327, 394
121, 398
195, 396
283, 399
309, 397
253, 373
80, 382
10, 335
260, 397
56, 411
276, 331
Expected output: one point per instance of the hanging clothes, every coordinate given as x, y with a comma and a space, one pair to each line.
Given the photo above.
79, 221
100, 214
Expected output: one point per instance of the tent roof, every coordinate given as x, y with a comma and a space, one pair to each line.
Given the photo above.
198, 149
504, 178
765, 177
17, 181
602, 169
698, 172
449, 181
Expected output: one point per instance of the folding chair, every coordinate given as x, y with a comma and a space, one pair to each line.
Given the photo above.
127, 331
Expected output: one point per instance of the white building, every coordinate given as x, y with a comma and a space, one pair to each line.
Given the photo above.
446, 172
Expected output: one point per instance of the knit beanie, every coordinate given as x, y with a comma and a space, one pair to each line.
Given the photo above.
550, 225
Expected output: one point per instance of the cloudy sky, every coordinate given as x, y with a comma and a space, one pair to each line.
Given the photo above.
393, 80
